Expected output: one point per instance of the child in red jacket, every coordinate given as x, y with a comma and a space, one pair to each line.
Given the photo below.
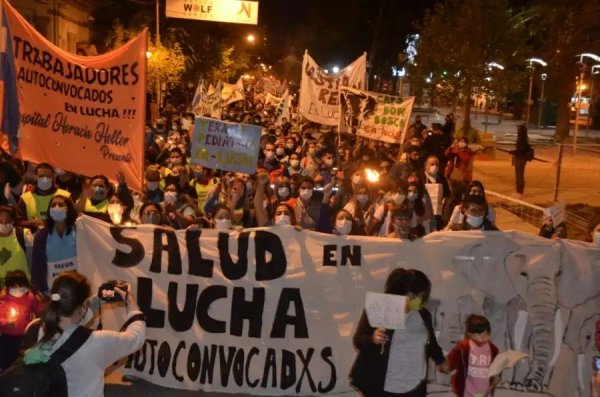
471, 358
18, 305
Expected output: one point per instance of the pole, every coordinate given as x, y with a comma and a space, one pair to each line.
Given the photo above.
542, 101
589, 115
558, 167
578, 104
529, 100
158, 98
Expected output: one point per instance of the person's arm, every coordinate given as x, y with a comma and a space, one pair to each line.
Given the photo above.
86, 193
123, 192
212, 198
39, 264
262, 218
363, 336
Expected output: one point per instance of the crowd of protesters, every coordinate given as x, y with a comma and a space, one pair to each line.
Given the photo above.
308, 176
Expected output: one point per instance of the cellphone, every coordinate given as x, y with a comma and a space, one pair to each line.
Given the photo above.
597, 363
107, 292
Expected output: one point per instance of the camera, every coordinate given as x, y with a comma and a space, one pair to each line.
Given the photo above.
597, 363
107, 292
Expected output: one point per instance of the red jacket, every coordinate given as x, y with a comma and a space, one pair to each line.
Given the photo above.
16, 313
458, 359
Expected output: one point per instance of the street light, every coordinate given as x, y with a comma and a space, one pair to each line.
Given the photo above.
335, 69
579, 90
148, 54
531, 68
250, 38
543, 76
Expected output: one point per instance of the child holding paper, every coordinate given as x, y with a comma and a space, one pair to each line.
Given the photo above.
393, 363
471, 358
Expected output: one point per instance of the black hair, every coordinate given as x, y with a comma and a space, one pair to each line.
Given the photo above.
16, 278
403, 211
150, 204
10, 210
522, 138
476, 324
72, 290
403, 281
307, 179
41, 166
181, 153
71, 214
474, 199
109, 186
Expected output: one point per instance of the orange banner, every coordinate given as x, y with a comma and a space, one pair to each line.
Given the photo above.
82, 114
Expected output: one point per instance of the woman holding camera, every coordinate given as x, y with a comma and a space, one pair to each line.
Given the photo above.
67, 310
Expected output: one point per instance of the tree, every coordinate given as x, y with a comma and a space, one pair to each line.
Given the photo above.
560, 31
458, 41
166, 63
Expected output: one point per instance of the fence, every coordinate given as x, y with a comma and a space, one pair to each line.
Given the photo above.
577, 172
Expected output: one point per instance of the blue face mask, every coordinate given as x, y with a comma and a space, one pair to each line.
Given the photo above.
58, 214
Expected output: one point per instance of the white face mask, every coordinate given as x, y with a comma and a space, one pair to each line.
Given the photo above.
412, 196
269, 155
362, 198
18, 291
597, 238
474, 221
433, 170
398, 198
7, 228
283, 192
294, 163
171, 197
306, 194
44, 183
280, 151
343, 226
282, 219
222, 224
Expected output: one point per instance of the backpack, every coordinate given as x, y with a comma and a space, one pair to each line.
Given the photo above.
44, 379
530, 154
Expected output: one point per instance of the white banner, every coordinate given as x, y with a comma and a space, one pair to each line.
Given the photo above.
210, 104
319, 91
375, 116
234, 11
232, 92
272, 311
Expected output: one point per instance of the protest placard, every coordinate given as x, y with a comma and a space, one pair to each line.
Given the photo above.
373, 115
385, 310
225, 146
436, 194
82, 114
557, 212
319, 90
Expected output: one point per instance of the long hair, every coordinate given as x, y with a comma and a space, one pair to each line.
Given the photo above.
72, 289
522, 138
71, 214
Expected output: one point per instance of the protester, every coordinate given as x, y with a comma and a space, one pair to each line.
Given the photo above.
474, 210
55, 245
33, 205
460, 161
18, 305
345, 224
432, 176
471, 358
521, 155
394, 363
400, 226
15, 242
475, 188
151, 214
66, 312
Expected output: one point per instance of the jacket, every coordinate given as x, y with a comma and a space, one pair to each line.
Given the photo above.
458, 359
370, 366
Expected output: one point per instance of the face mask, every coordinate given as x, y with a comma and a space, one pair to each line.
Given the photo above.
270, 155
280, 151
58, 214
474, 221
151, 219
283, 192
176, 161
99, 193
171, 196
398, 198
152, 186
198, 174
18, 291
289, 146
343, 226
222, 224
282, 219
294, 163
433, 170
462, 145
597, 238
356, 179
7, 228
412, 196
415, 303
362, 198
306, 194
44, 183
